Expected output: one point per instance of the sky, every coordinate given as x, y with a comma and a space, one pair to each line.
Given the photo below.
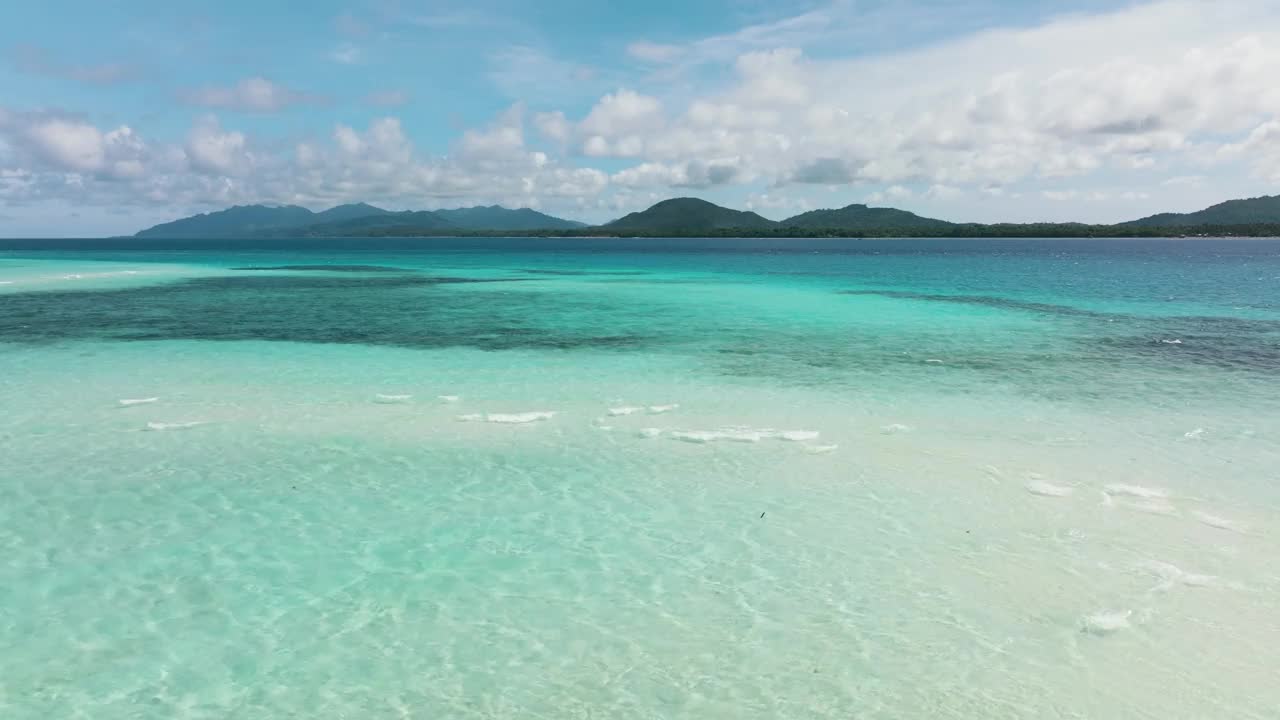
117, 116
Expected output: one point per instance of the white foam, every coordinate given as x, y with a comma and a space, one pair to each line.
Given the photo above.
1170, 574
130, 402
660, 409
1196, 580
821, 449
1221, 523
159, 426
650, 433
895, 428
1154, 506
391, 399
628, 410
449, 398
1136, 491
1194, 434
1107, 622
519, 418
742, 435
1163, 570
1175, 341
1048, 489
799, 435
6, 282
935, 361
471, 417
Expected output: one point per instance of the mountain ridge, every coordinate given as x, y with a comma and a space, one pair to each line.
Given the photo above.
858, 215
690, 217
357, 218
689, 214
1262, 209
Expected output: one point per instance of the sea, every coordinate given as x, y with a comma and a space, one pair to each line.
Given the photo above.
624, 478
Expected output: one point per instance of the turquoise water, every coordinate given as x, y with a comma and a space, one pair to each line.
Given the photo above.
625, 479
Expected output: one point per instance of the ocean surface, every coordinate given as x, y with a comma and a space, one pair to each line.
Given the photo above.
512, 478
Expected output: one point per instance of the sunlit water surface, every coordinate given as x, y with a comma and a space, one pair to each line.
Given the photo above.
640, 479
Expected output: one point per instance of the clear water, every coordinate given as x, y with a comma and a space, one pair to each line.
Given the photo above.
1043, 482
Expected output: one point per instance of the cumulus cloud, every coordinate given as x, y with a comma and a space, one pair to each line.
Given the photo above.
691, 174
622, 112
255, 94
1062, 100
58, 142
1019, 112
553, 126
1261, 148
215, 151
69, 157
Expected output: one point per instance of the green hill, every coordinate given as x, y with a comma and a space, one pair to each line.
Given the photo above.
861, 217
240, 220
414, 219
685, 215
1232, 212
343, 213
496, 217
353, 219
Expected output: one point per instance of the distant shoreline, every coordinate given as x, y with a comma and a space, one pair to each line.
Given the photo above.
11, 243
1030, 231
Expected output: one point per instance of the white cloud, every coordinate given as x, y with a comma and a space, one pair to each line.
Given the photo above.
67, 143
771, 203
503, 140
1109, 104
1063, 100
346, 54
1261, 148
553, 126
617, 125
893, 193
692, 174
255, 94
942, 192
623, 112
1056, 101
74, 145
654, 52
522, 72
69, 158
794, 31
1193, 181
215, 151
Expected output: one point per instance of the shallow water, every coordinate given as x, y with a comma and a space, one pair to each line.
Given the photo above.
585, 478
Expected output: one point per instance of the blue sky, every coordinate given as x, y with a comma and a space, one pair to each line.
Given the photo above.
115, 116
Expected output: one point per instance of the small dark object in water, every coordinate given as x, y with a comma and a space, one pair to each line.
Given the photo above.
762, 515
